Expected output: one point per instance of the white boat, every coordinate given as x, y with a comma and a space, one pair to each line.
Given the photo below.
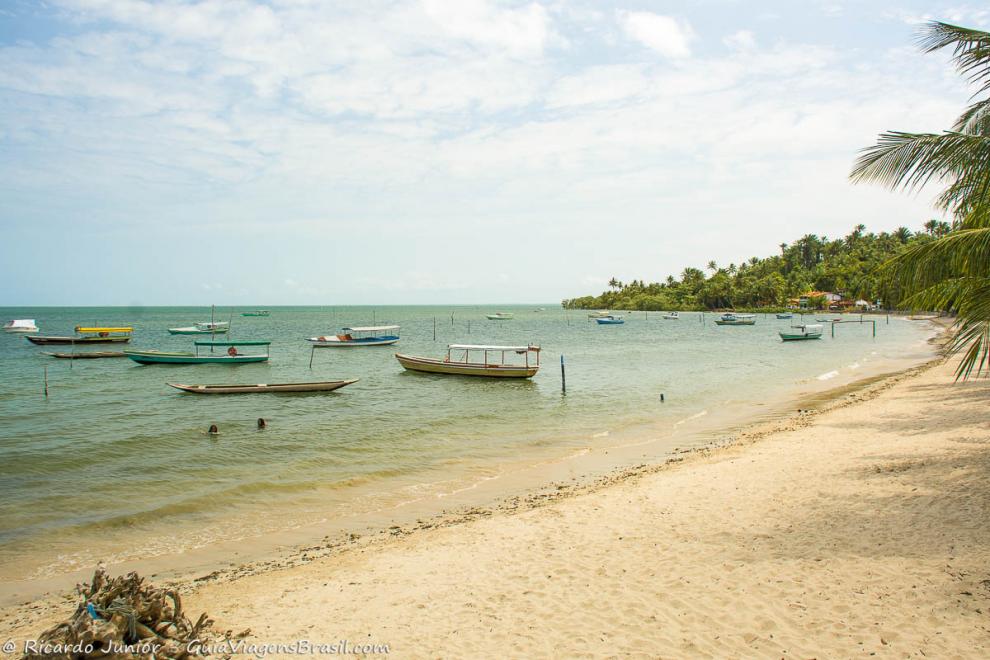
599, 315
375, 335
671, 316
500, 316
492, 363
798, 332
20, 325
736, 319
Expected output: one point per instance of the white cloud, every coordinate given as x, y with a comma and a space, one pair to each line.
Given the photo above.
742, 40
667, 36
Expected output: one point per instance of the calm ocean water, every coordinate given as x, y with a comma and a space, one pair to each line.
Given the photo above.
115, 464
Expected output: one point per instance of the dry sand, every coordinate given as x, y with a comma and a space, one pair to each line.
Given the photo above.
857, 531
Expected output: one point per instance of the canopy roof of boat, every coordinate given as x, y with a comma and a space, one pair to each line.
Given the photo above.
373, 328
22, 323
483, 347
232, 343
80, 328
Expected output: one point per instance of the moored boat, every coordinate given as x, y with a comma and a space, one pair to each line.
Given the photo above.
95, 335
322, 386
500, 316
798, 332
230, 356
20, 325
785, 315
210, 328
492, 365
736, 319
257, 312
610, 320
671, 316
599, 315
376, 335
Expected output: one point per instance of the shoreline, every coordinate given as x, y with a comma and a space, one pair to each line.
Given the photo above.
32, 613
630, 450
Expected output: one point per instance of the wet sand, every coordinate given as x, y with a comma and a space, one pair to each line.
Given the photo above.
855, 530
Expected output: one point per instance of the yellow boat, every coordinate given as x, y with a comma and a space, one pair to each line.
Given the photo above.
492, 365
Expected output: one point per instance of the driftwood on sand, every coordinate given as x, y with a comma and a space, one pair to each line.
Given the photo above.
122, 617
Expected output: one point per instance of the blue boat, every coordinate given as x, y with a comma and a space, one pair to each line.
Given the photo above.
610, 320
377, 335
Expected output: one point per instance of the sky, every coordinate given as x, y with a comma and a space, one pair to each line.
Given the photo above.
441, 151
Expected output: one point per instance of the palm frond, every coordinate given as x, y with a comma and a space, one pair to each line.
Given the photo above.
975, 120
911, 160
970, 49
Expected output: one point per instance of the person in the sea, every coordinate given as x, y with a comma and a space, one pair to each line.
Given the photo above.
214, 430
262, 424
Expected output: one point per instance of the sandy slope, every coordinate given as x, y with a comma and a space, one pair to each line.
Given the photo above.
859, 531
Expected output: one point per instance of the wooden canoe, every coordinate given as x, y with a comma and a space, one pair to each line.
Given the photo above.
88, 355
324, 386
434, 366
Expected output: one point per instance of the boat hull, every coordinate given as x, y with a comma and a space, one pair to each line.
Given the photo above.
196, 331
90, 355
160, 357
20, 330
434, 366
499, 317
609, 322
744, 322
261, 388
334, 342
77, 340
255, 313
789, 337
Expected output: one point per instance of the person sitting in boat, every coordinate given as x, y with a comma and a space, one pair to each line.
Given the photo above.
232, 352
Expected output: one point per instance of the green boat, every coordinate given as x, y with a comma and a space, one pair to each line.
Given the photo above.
230, 356
257, 312
799, 332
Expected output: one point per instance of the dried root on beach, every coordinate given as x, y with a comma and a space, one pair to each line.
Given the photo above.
122, 617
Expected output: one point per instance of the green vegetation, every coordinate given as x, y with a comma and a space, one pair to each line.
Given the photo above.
952, 272
847, 266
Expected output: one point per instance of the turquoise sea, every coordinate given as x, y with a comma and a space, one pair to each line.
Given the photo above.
115, 465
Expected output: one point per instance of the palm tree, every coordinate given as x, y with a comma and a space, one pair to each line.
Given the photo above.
902, 234
952, 272
712, 266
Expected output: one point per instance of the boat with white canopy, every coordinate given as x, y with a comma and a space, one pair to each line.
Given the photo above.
799, 332
20, 325
372, 335
736, 319
478, 360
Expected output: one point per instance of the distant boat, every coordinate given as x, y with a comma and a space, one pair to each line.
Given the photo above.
459, 361
736, 319
599, 315
323, 386
88, 355
230, 356
377, 335
96, 335
540, 309
500, 316
835, 320
20, 325
798, 332
786, 315
211, 328
257, 312
671, 316
609, 320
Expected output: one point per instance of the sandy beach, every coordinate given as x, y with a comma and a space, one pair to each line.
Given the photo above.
856, 530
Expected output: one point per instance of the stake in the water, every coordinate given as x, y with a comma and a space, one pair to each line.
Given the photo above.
563, 376
46, 382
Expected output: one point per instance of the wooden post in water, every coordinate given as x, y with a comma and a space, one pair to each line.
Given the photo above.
46, 382
874, 329
434, 328
563, 376
311, 351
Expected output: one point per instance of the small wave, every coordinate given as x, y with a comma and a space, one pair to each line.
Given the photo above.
694, 416
603, 434
854, 365
828, 375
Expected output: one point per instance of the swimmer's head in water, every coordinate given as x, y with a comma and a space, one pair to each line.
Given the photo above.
213, 429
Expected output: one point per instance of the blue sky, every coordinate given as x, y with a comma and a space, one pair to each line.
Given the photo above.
308, 152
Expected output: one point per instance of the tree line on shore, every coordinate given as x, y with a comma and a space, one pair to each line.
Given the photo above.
847, 266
